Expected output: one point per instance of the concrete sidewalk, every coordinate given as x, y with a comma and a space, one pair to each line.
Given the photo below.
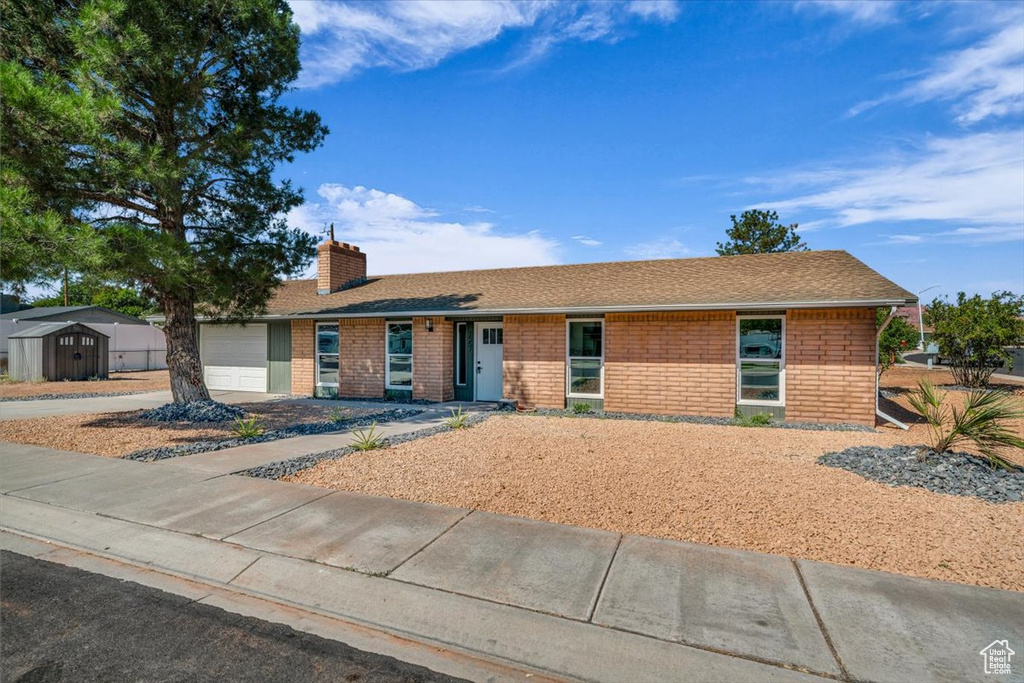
569, 602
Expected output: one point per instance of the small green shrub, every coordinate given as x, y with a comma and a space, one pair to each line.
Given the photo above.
94, 378
338, 414
249, 428
755, 420
457, 419
980, 421
581, 408
364, 440
5, 378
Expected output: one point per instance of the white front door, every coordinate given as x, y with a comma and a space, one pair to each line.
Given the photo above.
489, 339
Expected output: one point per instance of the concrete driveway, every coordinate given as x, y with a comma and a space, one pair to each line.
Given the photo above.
20, 410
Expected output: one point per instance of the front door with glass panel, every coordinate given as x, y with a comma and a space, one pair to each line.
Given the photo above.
489, 340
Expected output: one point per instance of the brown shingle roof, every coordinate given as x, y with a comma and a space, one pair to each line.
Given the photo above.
825, 278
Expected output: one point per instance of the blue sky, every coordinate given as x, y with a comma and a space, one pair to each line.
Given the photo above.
501, 134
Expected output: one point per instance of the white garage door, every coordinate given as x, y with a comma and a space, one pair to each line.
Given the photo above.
234, 357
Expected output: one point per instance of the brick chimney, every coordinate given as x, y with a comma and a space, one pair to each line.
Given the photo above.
338, 265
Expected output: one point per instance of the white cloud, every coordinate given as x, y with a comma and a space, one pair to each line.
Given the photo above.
860, 11
982, 81
587, 241
985, 235
665, 10
400, 236
906, 239
967, 189
340, 38
665, 247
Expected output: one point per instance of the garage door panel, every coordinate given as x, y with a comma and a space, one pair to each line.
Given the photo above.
217, 378
252, 379
234, 357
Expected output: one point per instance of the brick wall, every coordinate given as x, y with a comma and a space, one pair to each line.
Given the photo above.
830, 365
303, 369
362, 356
654, 362
432, 360
671, 363
533, 360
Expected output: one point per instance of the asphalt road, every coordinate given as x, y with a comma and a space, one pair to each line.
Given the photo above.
59, 623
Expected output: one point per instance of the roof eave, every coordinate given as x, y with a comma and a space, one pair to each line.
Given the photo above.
583, 310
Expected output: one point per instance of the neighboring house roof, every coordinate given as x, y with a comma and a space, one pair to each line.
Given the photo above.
910, 313
43, 329
758, 281
84, 314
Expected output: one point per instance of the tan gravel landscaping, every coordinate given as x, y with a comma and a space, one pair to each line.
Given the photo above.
117, 434
149, 380
752, 488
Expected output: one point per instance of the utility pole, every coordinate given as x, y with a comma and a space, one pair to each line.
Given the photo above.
65, 286
920, 319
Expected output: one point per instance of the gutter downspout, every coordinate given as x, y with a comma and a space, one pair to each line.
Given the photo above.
878, 336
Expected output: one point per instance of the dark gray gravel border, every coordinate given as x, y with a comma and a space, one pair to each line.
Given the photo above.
56, 397
285, 468
194, 412
165, 452
378, 399
958, 474
701, 419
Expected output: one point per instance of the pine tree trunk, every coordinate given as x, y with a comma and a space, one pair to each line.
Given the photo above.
183, 362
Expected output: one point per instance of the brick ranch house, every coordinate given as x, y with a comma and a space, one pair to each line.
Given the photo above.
790, 334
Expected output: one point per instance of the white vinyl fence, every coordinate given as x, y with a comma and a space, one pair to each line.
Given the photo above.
132, 347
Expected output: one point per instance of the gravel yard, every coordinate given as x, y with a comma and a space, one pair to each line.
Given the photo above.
752, 488
119, 383
118, 434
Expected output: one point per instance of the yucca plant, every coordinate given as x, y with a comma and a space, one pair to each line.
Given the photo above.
582, 408
249, 428
457, 419
338, 414
367, 440
981, 421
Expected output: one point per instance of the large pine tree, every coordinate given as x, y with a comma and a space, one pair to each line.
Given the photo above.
139, 143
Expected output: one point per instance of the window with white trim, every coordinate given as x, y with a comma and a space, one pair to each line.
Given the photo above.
585, 358
327, 354
399, 355
761, 360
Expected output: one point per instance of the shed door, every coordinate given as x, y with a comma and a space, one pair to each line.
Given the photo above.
234, 357
77, 356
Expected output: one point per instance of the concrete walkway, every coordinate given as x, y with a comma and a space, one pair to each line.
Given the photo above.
19, 410
241, 458
568, 602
